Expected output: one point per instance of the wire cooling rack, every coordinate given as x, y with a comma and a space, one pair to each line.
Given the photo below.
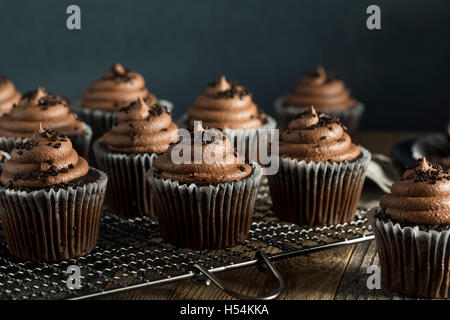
130, 254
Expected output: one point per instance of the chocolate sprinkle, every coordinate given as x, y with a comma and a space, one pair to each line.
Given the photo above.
235, 90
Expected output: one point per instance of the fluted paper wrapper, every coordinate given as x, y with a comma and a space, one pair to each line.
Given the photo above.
318, 194
205, 217
128, 191
434, 147
80, 143
349, 117
53, 225
101, 120
413, 262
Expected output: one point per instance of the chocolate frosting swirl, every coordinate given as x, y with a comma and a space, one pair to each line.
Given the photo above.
141, 128
324, 91
116, 89
317, 137
8, 95
422, 196
219, 162
39, 107
226, 105
45, 160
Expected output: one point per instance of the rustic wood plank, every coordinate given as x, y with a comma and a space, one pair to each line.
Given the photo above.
315, 276
353, 285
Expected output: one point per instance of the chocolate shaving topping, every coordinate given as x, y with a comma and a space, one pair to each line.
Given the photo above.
30, 95
325, 120
41, 174
235, 90
120, 74
52, 100
434, 174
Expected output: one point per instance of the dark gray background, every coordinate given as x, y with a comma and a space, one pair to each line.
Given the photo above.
401, 72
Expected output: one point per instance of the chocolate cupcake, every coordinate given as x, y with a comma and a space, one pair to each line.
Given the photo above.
321, 172
8, 95
57, 199
127, 151
412, 232
434, 147
52, 111
326, 93
116, 89
203, 196
229, 106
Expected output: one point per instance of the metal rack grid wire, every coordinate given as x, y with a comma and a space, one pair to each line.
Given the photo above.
130, 254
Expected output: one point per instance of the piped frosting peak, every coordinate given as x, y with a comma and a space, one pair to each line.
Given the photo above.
140, 128
45, 160
321, 89
39, 106
116, 89
422, 196
209, 159
314, 136
226, 105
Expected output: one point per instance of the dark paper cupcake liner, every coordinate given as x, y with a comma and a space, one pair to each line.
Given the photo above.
318, 194
53, 225
128, 191
413, 262
100, 120
434, 147
80, 143
349, 117
205, 217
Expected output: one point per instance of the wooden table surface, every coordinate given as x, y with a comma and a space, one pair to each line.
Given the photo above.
333, 274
